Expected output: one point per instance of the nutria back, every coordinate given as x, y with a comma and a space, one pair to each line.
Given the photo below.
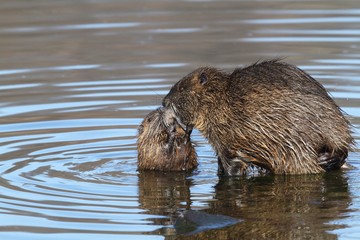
270, 114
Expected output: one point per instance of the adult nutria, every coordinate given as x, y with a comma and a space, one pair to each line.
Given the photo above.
163, 145
270, 114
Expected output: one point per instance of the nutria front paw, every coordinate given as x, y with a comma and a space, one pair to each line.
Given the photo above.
232, 167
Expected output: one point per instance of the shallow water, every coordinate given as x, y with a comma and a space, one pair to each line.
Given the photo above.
77, 77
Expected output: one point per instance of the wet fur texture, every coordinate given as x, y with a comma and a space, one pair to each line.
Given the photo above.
271, 114
163, 145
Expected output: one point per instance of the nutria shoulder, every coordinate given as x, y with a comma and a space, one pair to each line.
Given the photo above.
163, 145
270, 114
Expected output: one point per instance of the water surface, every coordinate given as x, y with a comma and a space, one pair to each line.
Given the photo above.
77, 78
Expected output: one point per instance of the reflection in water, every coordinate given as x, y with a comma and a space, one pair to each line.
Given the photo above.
281, 207
190, 222
168, 194
291, 207
164, 193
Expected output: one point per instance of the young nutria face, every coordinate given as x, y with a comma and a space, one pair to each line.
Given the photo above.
164, 145
157, 126
195, 93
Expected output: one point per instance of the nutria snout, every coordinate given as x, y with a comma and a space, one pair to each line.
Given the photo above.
270, 114
163, 144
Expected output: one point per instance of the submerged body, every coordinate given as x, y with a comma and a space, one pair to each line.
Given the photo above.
163, 145
271, 114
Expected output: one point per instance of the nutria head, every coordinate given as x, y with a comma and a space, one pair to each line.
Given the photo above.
163, 144
188, 97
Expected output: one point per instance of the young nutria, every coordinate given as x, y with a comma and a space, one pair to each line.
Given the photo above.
270, 114
163, 145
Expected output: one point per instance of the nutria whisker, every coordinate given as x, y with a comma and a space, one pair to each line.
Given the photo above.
178, 119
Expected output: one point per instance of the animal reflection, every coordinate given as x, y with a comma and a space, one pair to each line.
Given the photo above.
280, 207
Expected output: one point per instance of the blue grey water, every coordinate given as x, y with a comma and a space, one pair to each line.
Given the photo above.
77, 78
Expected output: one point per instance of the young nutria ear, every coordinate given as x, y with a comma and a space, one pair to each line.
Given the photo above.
203, 78
141, 129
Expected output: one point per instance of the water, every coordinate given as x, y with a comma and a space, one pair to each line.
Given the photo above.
77, 77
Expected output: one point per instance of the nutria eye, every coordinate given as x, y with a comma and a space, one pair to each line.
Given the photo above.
203, 78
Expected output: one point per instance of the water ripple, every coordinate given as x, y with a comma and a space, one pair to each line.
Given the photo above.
286, 21
55, 68
300, 39
67, 124
86, 26
13, 110
176, 30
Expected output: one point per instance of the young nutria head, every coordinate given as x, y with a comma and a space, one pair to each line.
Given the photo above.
188, 97
163, 145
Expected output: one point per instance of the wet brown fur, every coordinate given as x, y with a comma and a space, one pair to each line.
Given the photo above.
270, 114
163, 145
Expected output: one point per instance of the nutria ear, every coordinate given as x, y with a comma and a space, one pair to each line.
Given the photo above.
203, 78
141, 129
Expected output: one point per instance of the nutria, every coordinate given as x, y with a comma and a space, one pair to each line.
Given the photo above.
270, 114
164, 145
